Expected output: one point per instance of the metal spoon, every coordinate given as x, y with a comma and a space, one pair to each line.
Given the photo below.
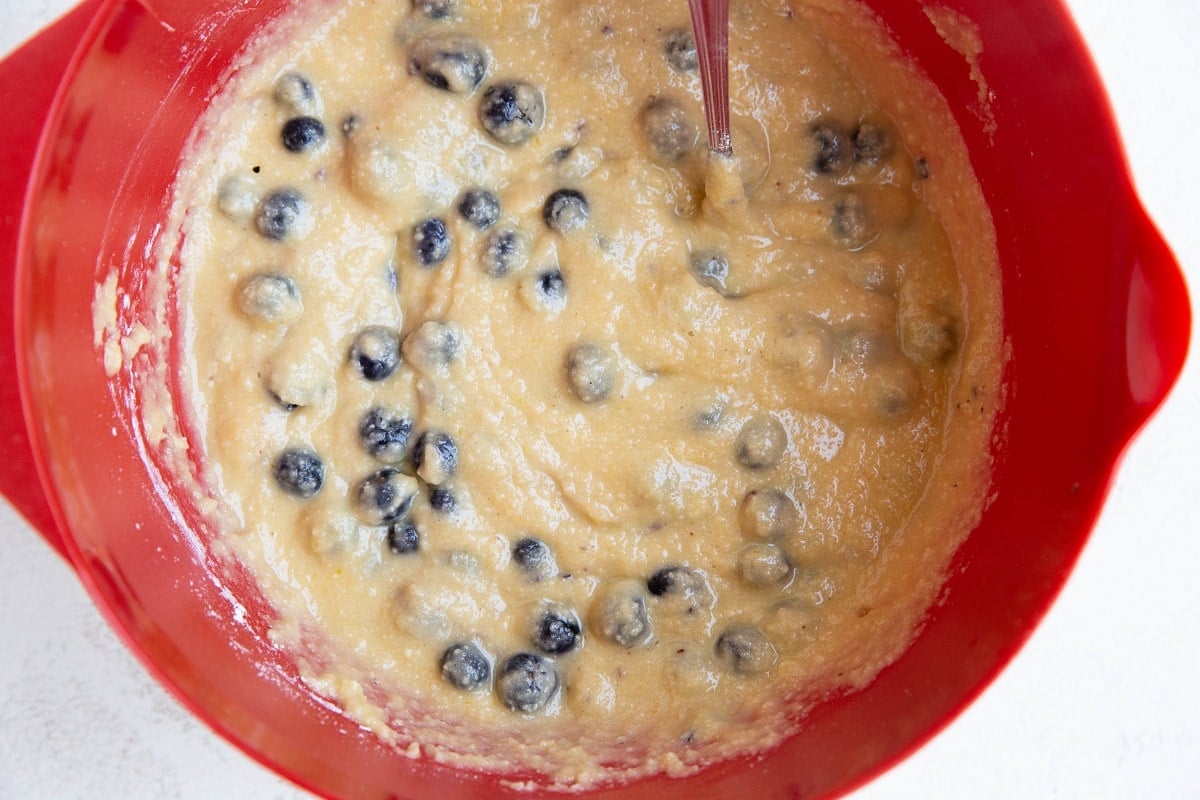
710, 26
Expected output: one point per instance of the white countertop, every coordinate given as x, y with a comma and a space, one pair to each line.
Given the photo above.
1104, 701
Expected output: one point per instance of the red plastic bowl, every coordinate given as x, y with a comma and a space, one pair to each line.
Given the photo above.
1095, 313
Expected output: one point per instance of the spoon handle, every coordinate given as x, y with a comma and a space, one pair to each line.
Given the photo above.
710, 25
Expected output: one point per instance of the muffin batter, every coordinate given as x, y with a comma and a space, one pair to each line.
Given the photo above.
562, 447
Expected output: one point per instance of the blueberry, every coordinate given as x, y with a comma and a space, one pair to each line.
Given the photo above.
745, 649
712, 270
434, 344
763, 564
709, 417
431, 242
403, 537
435, 456
450, 62
479, 207
295, 380
351, 123
668, 128
679, 581
620, 614
286, 405
535, 559
283, 214
871, 143
556, 631
296, 93
767, 514
679, 48
376, 352
385, 434
270, 297
928, 334
512, 112
385, 496
442, 500
465, 666
761, 442
566, 210
552, 286
300, 472
684, 587
674, 580
526, 683
544, 291
237, 197
301, 134
592, 371
504, 253
852, 222
835, 150
434, 9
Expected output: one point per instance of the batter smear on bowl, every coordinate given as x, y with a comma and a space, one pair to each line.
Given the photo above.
562, 448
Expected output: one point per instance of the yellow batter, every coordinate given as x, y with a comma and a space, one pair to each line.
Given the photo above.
577, 450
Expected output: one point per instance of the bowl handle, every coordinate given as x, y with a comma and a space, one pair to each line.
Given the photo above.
1158, 322
29, 79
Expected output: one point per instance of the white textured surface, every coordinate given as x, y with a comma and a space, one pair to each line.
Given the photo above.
1103, 702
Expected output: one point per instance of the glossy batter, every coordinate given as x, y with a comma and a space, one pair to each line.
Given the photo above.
575, 450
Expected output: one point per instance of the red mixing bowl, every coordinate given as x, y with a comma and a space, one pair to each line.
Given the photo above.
1095, 314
